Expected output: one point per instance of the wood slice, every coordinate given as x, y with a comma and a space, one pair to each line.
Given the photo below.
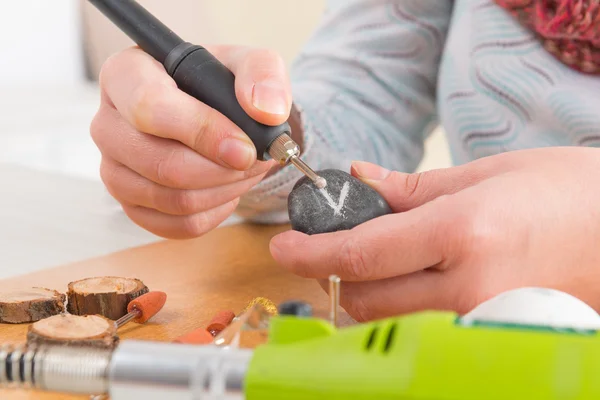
30, 305
74, 330
107, 296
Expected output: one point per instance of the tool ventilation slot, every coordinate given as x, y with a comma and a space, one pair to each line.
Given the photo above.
389, 340
22, 366
8, 367
381, 338
371, 338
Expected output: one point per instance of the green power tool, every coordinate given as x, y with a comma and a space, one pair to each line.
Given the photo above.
422, 356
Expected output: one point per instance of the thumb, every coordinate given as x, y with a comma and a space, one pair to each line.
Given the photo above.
262, 85
405, 191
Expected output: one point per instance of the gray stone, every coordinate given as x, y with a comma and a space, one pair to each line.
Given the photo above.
345, 203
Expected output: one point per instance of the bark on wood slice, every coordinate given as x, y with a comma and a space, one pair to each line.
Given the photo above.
107, 296
74, 330
30, 305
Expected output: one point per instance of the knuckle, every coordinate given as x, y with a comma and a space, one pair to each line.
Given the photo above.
473, 238
356, 307
171, 171
204, 127
111, 178
270, 54
263, 53
109, 68
413, 183
97, 127
144, 104
453, 230
266, 62
104, 127
479, 236
184, 202
195, 225
108, 174
353, 261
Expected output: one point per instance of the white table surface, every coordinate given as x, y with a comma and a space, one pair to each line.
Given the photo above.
54, 208
48, 219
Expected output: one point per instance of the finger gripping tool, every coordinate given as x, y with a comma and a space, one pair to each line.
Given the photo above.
201, 75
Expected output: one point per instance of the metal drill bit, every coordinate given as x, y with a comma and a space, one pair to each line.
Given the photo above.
306, 170
334, 299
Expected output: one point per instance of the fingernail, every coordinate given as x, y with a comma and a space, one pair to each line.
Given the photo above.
270, 96
369, 171
237, 153
274, 247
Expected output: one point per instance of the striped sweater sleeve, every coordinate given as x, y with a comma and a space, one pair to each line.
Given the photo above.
365, 87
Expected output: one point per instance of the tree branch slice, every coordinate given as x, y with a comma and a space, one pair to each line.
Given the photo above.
107, 296
30, 305
74, 330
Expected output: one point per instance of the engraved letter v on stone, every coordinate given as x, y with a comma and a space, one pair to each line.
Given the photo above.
337, 208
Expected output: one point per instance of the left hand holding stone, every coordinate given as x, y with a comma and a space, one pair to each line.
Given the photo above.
462, 235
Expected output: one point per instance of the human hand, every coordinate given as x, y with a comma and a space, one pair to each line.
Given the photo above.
176, 165
463, 235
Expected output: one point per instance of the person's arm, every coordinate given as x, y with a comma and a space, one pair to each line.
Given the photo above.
364, 89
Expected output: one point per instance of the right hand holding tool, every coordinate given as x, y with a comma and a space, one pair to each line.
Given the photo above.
176, 165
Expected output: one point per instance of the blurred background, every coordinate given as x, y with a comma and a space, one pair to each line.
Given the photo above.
52, 51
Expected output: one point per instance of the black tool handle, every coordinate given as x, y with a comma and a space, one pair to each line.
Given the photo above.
194, 69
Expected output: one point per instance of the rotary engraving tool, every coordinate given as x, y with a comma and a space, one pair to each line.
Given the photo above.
199, 74
422, 356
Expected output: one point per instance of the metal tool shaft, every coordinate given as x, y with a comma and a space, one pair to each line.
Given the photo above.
285, 151
306, 170
77, 370
158, 371
135, 369
334, 299
127, 317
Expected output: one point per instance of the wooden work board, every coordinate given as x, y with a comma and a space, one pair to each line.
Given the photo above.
224, 269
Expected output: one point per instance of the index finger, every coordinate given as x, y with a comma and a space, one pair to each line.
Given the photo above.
149, 100
385, 247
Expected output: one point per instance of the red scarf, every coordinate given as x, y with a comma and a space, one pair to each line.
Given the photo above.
569, 29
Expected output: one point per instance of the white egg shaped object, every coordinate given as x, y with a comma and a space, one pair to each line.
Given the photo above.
536, 307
